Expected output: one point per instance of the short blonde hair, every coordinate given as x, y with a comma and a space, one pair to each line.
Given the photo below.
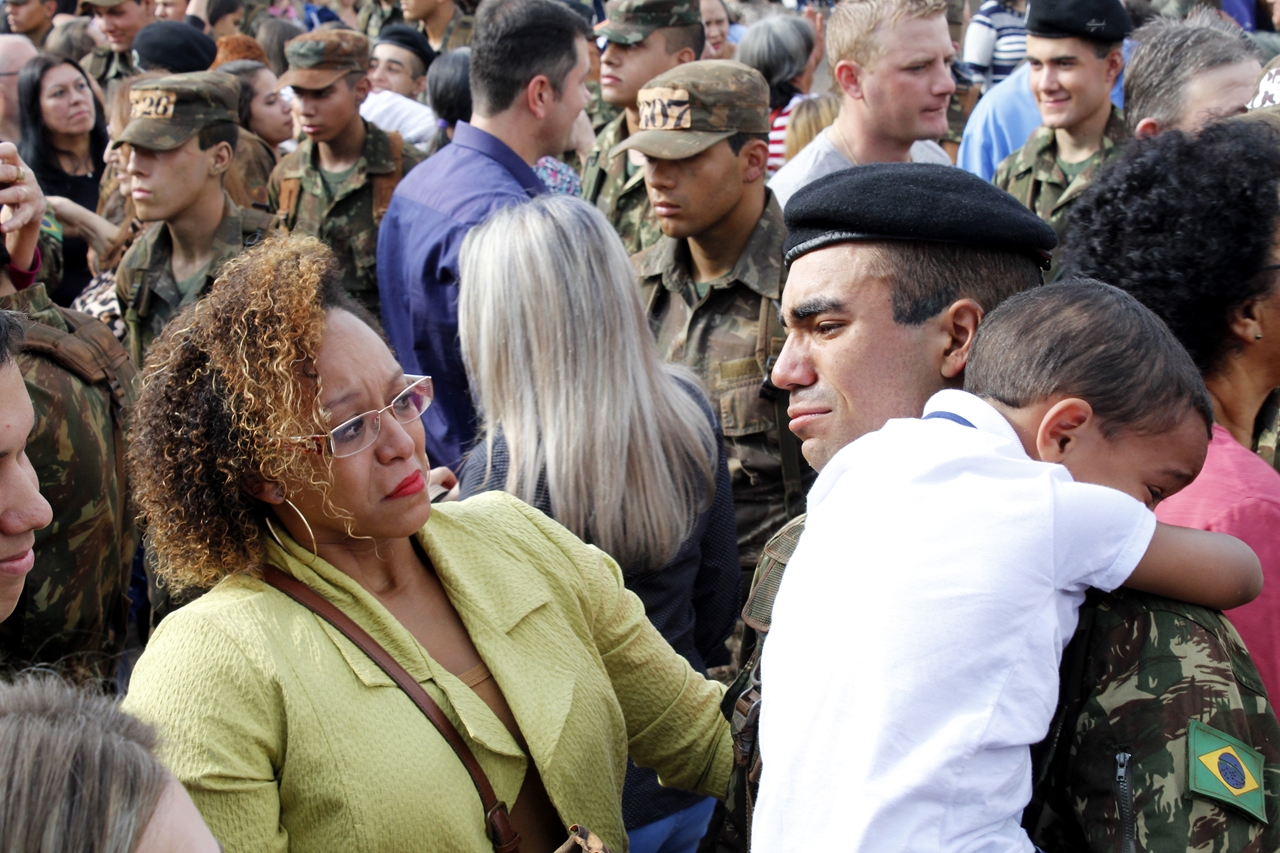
852, 28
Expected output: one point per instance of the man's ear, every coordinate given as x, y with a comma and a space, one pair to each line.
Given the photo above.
1147, 127
253, 485
220, 162
420, 86
753, 158
361, 88
1062, 428
849, 78
959, 323
1115, 65
539, 95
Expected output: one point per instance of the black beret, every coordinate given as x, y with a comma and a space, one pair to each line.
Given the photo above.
912, 201
173, 46
1099, 20
405, 36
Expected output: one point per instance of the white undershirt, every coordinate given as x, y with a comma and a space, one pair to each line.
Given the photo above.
914, 650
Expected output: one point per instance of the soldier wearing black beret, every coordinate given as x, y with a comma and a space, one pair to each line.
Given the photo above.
1073, 48
891, 268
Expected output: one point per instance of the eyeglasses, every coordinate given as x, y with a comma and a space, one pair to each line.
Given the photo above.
350, 437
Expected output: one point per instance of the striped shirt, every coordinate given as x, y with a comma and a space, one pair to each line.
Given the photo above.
778, 134
995, 43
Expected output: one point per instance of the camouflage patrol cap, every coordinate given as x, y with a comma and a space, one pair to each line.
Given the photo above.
167, 111
319, 59
631, 21
87, 5
688, 109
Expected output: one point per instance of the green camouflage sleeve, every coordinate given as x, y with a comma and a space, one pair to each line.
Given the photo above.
1153, 667
50, 246
73, 607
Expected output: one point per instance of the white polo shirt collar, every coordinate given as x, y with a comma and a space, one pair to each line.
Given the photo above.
976, 411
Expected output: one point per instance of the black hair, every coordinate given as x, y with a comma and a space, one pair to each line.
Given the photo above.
692, 36
219, 9
739, 140
449, 91
244, 70
223, 131
11, 333
927, 277
34, 144
1082, 338
1185, 224
515, 41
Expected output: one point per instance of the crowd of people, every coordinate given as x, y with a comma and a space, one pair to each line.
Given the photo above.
850, 425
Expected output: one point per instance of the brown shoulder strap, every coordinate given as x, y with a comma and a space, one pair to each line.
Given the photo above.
498, 821
384, 186
290, 189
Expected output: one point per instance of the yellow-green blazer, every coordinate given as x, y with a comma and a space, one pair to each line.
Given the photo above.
289, 738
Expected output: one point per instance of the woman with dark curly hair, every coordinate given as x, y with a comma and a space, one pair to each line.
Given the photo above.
1189, 226
276, 436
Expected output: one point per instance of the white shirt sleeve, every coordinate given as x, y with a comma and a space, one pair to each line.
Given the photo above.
1099, 535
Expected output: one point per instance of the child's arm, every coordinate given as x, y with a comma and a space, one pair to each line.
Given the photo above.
1198, 567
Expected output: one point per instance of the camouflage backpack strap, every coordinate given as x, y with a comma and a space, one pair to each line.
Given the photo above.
290, 192
741, 703
768, 347
384, 185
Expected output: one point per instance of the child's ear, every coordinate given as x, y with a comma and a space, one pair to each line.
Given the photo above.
1062, 428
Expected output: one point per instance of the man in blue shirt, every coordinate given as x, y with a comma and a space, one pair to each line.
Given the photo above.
529, 64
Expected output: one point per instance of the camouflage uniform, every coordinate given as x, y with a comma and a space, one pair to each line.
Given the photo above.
347, 222
610, 181
457, 33
50, 245
165, 113
107, 67
72, 611
1114, 772
253, 164
727, 331
373, 18
145, 284
1266, 430
1033, 176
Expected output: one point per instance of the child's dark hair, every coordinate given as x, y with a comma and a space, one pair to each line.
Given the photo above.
1082, 338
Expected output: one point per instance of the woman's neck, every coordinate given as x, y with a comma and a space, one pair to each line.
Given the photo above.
1238, 393
73, 152
381, 567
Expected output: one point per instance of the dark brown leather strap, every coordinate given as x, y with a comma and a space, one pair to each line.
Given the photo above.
497, 820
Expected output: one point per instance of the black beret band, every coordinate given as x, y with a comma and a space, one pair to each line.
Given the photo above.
912, 202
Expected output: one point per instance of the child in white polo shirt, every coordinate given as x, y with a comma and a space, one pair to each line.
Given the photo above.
947, 557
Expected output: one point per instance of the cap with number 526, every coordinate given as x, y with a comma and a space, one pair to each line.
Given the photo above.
688, 109
167, 111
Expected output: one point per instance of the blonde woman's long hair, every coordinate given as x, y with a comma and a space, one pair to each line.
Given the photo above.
562, 363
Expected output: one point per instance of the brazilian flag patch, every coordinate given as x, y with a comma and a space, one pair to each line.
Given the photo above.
50, 226
1224, 769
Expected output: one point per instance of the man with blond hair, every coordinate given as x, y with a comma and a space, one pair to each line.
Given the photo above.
892, 61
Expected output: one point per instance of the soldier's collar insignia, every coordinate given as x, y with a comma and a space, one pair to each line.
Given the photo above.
1224, 769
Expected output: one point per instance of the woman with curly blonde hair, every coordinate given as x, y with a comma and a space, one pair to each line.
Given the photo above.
276, 431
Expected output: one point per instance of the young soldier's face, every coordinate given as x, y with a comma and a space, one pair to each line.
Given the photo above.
624, 69
171, 10
391, 68
692, 196
167, 183
121, 23
29, 17
326, 113
1071, 83
22, 509
848, 365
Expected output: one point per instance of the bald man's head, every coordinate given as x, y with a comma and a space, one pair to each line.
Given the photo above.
14, 52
